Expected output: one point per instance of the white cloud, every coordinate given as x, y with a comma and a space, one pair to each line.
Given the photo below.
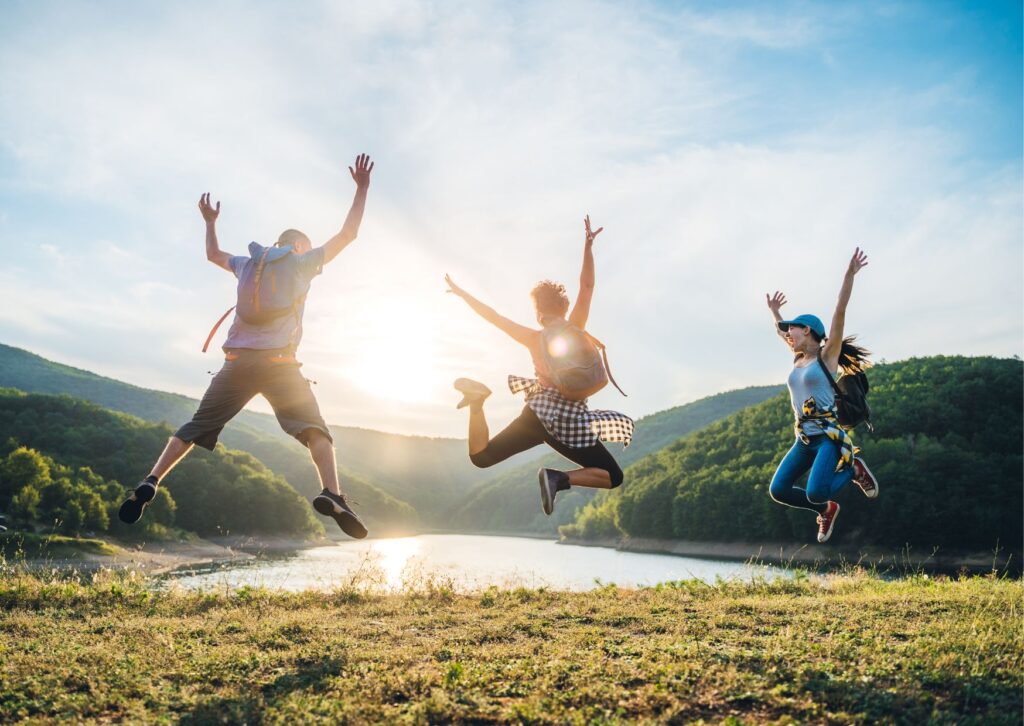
495, 129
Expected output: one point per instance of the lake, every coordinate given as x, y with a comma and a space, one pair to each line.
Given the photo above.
466, 562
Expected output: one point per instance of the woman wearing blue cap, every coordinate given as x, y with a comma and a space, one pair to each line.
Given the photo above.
822, 445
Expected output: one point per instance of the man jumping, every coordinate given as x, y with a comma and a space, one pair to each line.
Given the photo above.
260, 354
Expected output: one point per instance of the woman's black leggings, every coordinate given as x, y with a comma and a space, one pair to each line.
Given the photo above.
527, 431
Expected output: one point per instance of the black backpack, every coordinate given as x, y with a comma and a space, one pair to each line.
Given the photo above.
851, 391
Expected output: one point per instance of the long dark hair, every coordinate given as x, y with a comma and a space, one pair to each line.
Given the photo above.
853, 358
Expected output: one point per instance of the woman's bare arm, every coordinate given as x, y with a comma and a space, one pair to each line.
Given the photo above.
835, 334
581, 310
519, 333
775, 302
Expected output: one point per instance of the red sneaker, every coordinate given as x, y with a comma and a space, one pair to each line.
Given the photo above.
863, 478
826, 521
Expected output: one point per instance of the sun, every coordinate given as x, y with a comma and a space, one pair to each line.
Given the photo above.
394, 357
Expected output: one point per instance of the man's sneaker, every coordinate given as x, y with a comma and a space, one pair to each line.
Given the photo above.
826, 521
335, 506
551, 481
863, 478
131, 510
472, 391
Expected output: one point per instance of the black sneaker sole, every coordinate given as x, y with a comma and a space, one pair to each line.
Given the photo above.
132, 508
546, 502
348, 522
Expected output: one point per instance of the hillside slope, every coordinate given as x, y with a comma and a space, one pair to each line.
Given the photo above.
426, 472
509, 501
215, 492
946, 450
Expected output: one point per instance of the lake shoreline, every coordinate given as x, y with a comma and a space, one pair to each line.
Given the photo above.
816, 556
159, 557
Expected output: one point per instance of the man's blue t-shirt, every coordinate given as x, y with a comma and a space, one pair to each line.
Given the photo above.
282, 332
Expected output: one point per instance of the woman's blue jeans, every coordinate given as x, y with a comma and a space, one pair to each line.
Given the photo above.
820, 456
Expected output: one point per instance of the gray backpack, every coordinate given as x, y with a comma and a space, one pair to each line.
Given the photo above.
266, 288
576, 361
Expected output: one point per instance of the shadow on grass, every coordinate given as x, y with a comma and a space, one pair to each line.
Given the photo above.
249, 708
962, 699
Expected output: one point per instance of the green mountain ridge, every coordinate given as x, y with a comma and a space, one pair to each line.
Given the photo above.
219, 492
509, 501
946, 449
377, 466
389, 475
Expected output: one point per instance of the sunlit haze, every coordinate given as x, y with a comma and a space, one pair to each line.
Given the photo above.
728, 149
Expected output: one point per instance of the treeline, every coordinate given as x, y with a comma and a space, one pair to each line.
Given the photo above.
36, 491
77, 456
508, 501
947, 450
406, 471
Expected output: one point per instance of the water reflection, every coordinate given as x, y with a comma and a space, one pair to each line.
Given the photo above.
395, 555
465, 561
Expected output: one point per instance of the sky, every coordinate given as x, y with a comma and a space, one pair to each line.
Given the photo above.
729, 149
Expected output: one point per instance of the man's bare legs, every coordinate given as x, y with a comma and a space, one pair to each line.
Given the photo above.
173, 453
479, 435
322, 452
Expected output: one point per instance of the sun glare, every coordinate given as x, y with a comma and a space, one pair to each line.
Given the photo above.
394, 358
394, 556
558, 347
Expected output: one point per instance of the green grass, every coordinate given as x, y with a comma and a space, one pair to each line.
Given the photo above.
19, 545
850, 649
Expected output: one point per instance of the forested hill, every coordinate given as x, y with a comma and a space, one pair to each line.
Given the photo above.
69, 461
947, 450
509, 502
427, 472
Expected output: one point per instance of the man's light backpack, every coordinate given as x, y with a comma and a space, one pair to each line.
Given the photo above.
576, 361
266, 287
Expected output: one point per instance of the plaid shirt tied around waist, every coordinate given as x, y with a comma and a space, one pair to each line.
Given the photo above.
571, 422
830, 426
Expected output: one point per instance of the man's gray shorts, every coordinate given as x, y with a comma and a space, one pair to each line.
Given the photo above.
243, 376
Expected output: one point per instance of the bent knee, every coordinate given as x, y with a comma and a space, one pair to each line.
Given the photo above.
777, 489
817, 496
482, 460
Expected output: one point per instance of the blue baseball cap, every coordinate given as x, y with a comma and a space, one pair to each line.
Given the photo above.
808, 321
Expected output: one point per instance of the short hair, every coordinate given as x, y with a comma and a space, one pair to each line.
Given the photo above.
549, 298
289, 237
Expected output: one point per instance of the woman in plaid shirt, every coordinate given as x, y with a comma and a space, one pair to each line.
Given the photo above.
548, 417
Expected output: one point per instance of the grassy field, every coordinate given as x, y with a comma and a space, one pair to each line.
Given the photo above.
22, 545
850, 649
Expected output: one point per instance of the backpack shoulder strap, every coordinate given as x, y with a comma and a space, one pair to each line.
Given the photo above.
604, 357
215, 326
828, 375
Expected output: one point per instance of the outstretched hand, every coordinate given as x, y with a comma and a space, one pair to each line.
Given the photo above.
361, 174
858, 262
776, 301
208, 211
452, 287
591, 234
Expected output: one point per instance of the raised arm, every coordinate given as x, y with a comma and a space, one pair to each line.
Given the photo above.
775, 302
213, 251
350, 230
581, 310
519, 333
835, 334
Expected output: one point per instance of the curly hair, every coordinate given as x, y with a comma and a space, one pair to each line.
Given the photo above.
550, 298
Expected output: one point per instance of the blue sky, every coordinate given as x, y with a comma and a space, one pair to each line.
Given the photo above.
728, 148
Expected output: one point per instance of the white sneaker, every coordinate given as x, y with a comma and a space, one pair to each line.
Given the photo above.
472, 391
